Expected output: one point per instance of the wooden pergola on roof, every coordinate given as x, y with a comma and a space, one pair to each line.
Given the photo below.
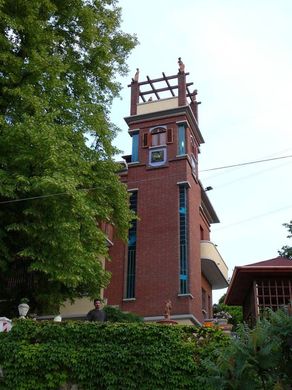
162, 85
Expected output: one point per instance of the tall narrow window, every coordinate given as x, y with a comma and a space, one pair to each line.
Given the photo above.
183, 239
181, 139
135, 147
132, 238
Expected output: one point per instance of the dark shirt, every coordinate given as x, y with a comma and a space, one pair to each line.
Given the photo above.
96, 315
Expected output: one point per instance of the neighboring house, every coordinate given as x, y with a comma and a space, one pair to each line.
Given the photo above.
258, 286
169, 255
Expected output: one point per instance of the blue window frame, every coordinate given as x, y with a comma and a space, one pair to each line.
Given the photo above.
135, 148
181, 139
131, 260
183, 239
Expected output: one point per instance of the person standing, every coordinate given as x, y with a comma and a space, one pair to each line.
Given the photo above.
97, 314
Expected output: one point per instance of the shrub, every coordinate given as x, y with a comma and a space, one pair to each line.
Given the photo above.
116, 315
260, 358
107, 356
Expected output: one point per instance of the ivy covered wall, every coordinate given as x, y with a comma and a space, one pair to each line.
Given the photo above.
48, 355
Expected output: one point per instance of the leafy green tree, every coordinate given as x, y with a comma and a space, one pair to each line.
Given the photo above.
58, 65
234, 311
286, 250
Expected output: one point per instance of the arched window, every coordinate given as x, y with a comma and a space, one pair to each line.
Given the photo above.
158, 136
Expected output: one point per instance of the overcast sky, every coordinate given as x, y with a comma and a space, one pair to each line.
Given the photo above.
239, 55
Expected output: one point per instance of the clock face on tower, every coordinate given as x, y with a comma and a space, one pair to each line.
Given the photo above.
157, 156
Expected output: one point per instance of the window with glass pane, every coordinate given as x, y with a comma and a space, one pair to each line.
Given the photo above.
135, 147
159, 137
181, 140
132, 238
183, 239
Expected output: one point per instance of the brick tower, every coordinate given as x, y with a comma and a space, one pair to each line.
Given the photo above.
169, 255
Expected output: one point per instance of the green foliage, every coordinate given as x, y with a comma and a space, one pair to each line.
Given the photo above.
146, 356
58, 64
260, 358
104, 356
286, 250
235, 311
116, 315
24, 300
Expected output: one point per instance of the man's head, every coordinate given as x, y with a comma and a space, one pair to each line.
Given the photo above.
97, 303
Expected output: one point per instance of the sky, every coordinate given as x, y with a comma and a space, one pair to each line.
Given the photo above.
239, 56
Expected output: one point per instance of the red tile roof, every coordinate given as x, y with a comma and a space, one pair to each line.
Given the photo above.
244, 276
276, 262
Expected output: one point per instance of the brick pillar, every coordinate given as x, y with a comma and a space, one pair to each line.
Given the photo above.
182, 88
194, 104
134, 97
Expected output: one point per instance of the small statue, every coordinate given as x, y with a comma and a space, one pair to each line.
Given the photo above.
168, 307
181, 65
136, 77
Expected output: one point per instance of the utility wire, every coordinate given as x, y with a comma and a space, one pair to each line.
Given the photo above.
251, 175
252, 218
138, 181
245, 163
45, 196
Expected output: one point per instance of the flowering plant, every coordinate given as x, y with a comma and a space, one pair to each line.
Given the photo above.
223, 314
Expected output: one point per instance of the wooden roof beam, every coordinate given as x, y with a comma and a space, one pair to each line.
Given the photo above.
153, 89
163, 89
158, 80
167, 82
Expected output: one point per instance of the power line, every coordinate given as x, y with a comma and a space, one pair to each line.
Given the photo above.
252, 218
45, 196
245, 163
148, 179
251, 175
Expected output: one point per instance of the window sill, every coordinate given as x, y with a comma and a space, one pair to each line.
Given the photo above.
129, 299
134, 163
157, 146
185, 296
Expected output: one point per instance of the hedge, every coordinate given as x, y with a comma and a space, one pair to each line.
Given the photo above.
117, 315
48, 355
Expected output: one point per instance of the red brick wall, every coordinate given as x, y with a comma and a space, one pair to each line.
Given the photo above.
157, 251
208, 288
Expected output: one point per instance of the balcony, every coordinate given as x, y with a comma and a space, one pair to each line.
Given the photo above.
213, 266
